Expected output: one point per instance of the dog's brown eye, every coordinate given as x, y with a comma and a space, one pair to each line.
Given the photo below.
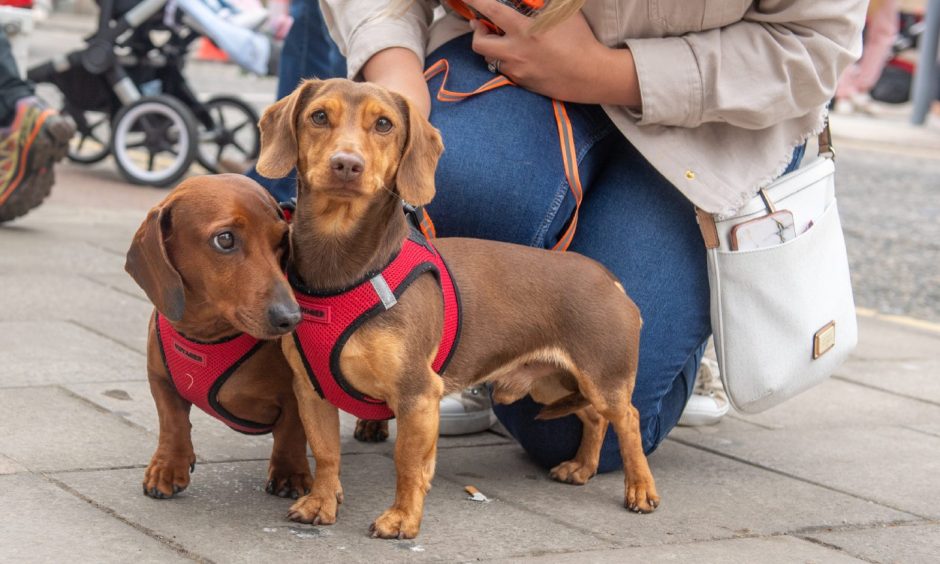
319, 117
224, 241
383, 125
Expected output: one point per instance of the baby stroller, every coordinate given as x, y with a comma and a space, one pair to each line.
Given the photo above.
128, 96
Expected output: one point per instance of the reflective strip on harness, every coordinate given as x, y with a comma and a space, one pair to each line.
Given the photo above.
199, 370
329, 320
569, 154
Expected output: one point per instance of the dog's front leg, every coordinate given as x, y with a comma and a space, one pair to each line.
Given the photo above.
415, 456
289, 472
321, 425
174, 459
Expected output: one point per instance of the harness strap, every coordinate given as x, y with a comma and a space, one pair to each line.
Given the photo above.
569, 154
198, 370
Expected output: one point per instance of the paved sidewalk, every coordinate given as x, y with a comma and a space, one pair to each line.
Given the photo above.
846, 472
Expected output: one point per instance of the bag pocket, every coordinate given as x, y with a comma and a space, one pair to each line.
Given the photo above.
783, 316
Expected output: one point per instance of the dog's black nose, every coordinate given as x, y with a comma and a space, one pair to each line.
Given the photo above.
346, 166
284, 316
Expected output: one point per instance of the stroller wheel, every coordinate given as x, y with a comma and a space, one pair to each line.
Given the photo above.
154, 140
92, 140
230, 142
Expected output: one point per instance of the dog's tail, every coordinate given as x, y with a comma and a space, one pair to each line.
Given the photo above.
565, 406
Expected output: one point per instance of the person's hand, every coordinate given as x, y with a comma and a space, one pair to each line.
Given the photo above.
565, 62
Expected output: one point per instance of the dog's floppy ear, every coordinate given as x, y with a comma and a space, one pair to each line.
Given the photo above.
278, 127
423, 148
150, 266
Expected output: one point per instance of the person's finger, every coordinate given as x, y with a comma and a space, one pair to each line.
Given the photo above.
488, 44
505, 18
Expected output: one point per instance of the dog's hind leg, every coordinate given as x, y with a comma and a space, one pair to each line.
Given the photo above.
583, 466
639, 487
368, 431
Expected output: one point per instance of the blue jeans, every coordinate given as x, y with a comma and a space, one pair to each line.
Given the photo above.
501, 178
308, 52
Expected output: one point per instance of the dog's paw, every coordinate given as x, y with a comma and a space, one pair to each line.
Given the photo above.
166, 477
396, 524
641, 496
573, 472
288, 482
316, 510
371, 431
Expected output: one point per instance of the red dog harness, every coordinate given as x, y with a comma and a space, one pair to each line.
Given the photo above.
199, 370
329, 319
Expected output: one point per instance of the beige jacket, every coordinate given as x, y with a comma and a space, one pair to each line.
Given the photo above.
729, 87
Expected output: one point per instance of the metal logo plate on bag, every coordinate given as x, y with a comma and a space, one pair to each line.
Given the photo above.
824, 340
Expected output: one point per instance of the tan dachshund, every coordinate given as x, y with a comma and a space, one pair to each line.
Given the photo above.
556, 326
210, 258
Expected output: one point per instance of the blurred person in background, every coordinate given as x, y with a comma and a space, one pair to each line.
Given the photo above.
881, 29
33, 138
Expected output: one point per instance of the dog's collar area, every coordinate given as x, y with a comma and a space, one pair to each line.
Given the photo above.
287, 209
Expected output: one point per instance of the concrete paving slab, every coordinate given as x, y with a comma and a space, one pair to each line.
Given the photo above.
110, 230
841, 403
44, 523
30, 248
36, 353
704, 497
772, 550
883, 340
930, 428
215, 442
912, 544
10, 466
888, 465
121, 282
41, 297
58, 431
212, 439
916, 378
225, 516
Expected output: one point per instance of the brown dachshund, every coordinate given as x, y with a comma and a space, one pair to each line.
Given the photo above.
556, 326
210, 258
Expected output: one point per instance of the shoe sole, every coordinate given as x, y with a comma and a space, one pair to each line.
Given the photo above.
48, 144
702, 418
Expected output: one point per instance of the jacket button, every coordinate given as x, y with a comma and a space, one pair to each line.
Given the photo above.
690, 175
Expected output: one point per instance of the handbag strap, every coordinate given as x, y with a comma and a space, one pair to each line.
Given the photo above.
706, 221
569, 154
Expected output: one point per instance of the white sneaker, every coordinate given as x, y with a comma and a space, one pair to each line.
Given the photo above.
708, 403
467, 412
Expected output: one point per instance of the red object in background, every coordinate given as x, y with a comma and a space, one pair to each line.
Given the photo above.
208, 51
27, 4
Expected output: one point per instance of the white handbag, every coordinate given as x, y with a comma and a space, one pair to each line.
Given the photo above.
783, 316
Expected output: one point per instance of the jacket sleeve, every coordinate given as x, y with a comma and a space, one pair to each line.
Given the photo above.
362, 28
781, 61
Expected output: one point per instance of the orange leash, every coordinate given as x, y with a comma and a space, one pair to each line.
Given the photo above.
569, 154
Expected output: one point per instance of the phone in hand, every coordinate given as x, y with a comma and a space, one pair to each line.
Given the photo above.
525, 7
766, 231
